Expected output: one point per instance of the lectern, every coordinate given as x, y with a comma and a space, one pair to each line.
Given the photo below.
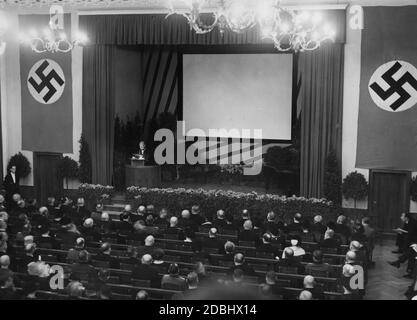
140, 175
137, 162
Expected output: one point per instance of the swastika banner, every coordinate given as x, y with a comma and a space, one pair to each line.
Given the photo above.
387, 121
46, 86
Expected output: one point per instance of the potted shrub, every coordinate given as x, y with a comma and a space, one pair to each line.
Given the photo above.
355, 187
68, 169
85, 168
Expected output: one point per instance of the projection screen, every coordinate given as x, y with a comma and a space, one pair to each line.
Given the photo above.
238, 91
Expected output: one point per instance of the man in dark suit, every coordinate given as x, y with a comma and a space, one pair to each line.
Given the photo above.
317, 265
105, 255
329, 240
410, 253
146, 271
311, 286
11, 185
83, 270
212, 241
248, 234
290, 261
267, 246
240, 263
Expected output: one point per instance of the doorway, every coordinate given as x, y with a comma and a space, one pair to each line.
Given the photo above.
46, 175
389, 196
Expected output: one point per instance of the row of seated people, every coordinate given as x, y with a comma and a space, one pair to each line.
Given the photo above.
68, 231
158, 273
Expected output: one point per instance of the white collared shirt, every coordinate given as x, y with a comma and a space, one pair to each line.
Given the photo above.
13, 176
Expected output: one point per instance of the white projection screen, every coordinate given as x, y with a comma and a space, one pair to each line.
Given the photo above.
238, 91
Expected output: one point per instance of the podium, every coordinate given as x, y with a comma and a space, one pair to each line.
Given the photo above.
140, 175
137, 162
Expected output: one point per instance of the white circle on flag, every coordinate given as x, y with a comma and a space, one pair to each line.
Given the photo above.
46, 81
393, 86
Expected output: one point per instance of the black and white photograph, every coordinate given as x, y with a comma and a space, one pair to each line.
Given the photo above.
208, 156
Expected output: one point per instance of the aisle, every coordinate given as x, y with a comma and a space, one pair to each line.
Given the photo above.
385, 281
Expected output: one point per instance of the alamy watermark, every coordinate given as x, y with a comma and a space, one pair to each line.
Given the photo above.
173, 148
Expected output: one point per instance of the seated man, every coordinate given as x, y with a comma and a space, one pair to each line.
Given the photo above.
105, 255
47, 240
173, 228
248, 234
185, 221
83, 270
146, 271
173, 280
73, 253
162, 220
317, 266
244, 217
212, 241
315, 290
240, 263
267, 246
329, 240
290, 261
220, 221
229, 250
318, 229
196, 217
89, 232
305, 295
69, 232
270, 280
5, 272
271, 226
296, 226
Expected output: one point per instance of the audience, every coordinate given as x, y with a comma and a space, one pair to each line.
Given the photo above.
65, 226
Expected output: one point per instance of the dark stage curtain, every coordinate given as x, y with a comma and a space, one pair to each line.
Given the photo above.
321, 103
155, 29
99, 109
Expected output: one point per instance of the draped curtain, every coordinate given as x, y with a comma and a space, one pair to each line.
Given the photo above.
99, 109
321, 103
320, 71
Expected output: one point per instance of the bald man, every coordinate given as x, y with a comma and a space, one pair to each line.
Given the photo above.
248, 234
173, 228
311, 286
305, 295
289, 261
142, 295
146, 271
239, 262
5, 272
185, 220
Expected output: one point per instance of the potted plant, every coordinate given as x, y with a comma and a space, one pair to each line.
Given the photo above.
85, 168
355, 187
67, 169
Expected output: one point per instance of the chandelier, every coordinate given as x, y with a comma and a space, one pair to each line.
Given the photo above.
288, 29
51, 40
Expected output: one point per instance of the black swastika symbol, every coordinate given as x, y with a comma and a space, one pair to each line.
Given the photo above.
46, 81
395, 86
